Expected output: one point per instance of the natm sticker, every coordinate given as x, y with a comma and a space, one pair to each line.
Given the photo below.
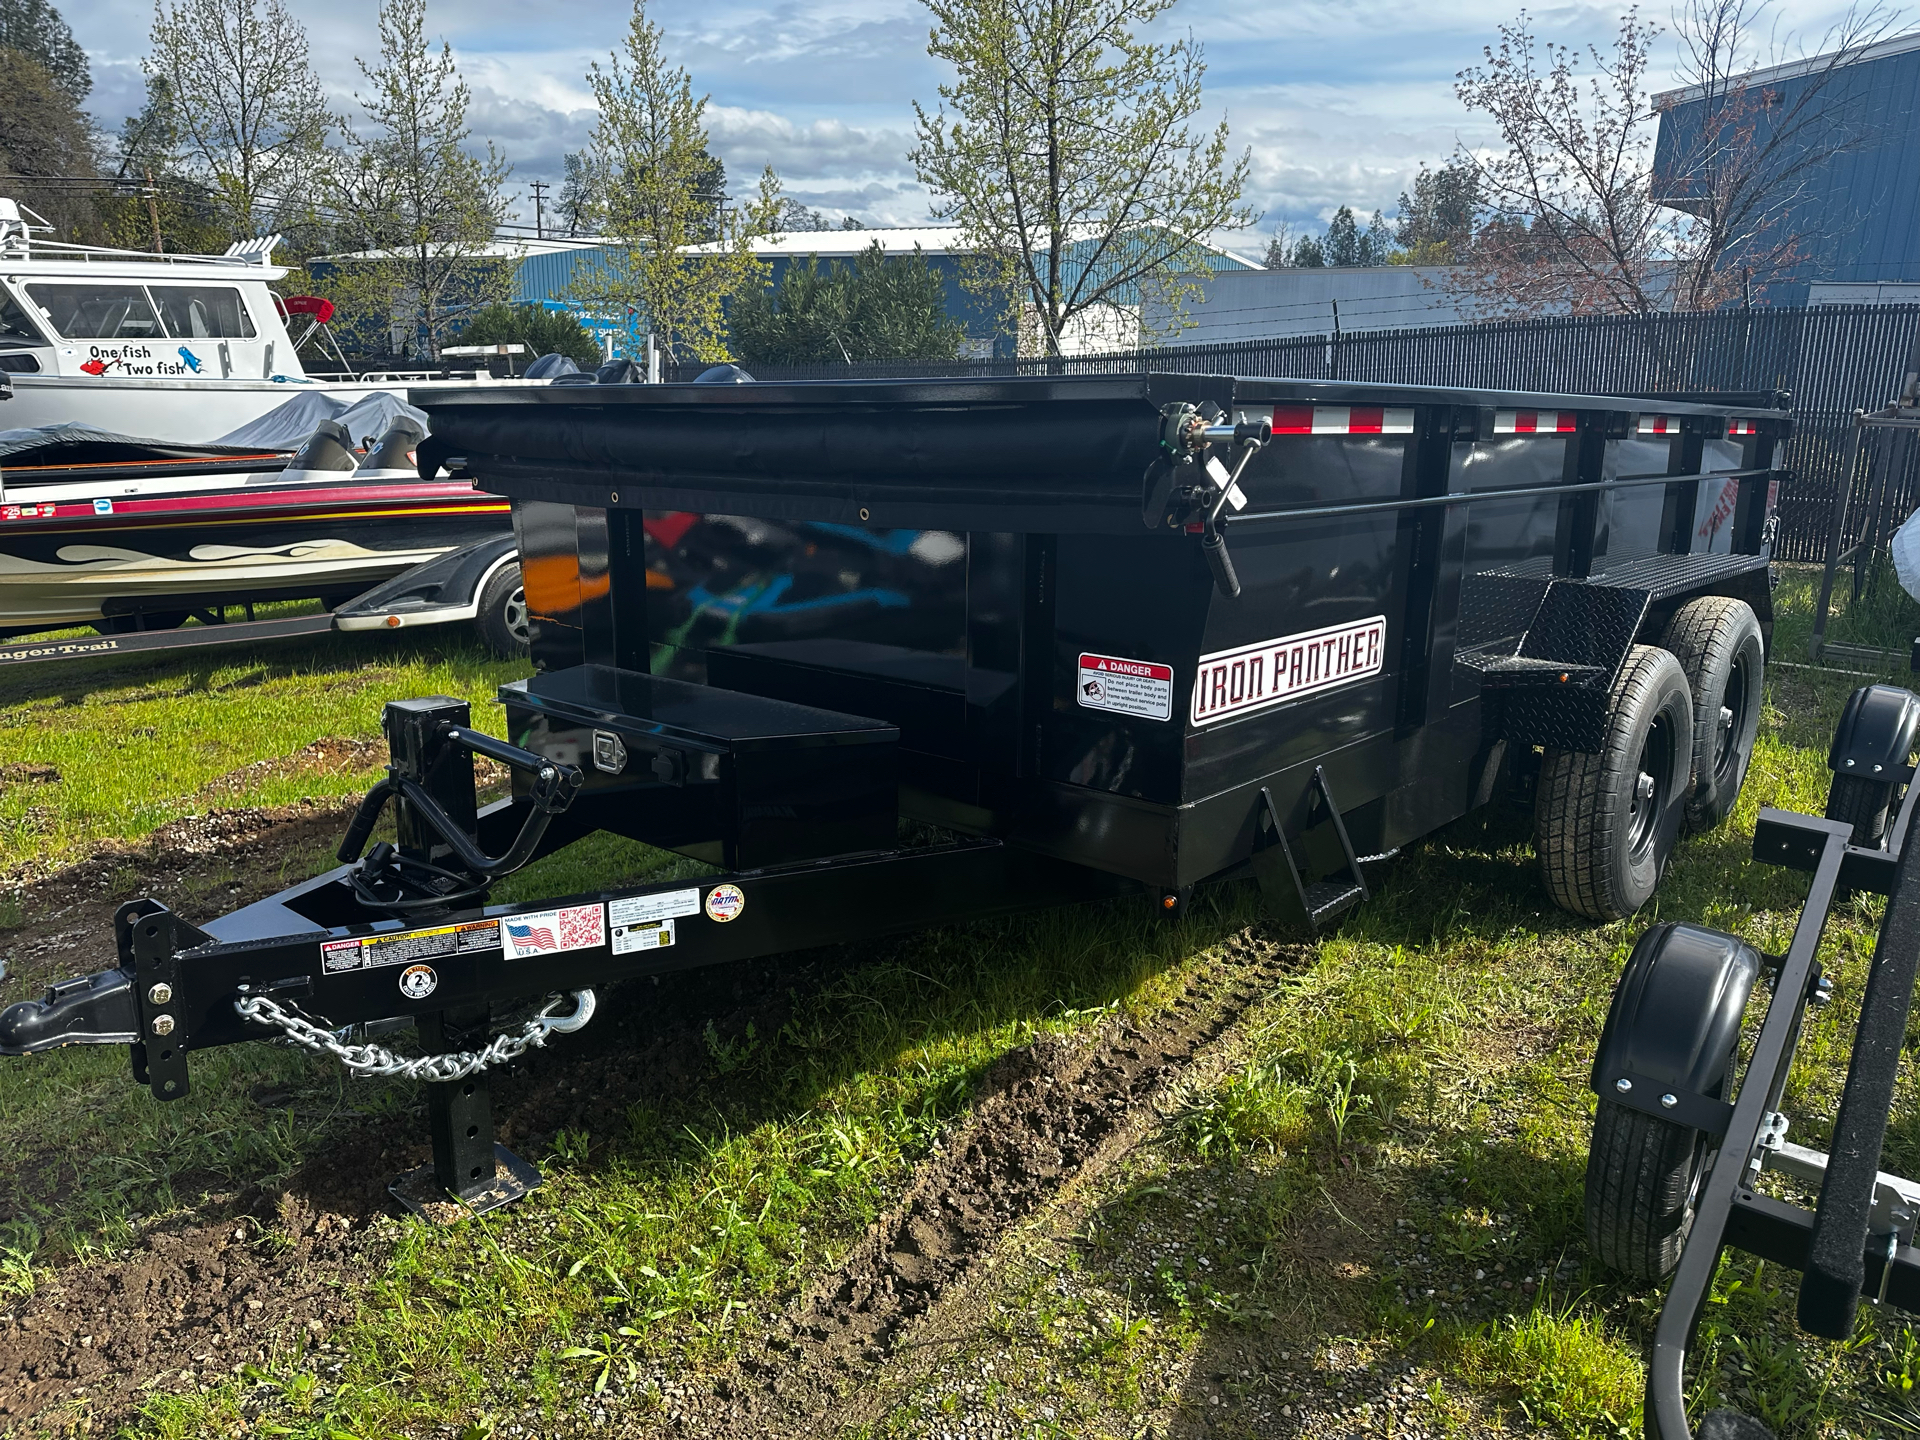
725, 902
1126, 687
417, 982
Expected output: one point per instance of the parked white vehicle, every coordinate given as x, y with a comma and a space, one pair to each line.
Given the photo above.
178, 348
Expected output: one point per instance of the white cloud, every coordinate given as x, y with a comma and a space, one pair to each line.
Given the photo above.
1340, 100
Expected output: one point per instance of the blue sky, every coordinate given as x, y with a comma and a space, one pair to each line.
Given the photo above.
1339, 102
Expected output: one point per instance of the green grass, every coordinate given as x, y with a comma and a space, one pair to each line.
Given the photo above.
1408, 1106
134, 746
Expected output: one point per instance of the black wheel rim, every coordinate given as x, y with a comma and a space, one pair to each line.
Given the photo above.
1732, 723
1650, 784
514, 616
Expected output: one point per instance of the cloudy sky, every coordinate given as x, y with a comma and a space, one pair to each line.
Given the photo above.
1339, 100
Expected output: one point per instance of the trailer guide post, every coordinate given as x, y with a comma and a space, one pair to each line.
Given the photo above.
894, 654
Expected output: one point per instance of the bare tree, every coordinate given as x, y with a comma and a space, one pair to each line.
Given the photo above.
1583, 215
1742, 163
253, 121
1573, 224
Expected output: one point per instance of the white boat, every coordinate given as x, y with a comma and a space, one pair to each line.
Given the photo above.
178, 348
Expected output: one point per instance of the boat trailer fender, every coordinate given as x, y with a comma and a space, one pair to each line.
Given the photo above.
1876, 733
1673, 1025
435, 592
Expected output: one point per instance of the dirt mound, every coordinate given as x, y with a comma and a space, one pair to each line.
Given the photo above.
194, 1301
22, 773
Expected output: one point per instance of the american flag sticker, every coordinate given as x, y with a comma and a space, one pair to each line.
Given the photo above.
549, 932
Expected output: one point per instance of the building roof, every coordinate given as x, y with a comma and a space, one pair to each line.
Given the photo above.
1793, 69
522, 248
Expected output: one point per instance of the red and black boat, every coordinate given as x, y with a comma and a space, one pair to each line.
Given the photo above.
129, 534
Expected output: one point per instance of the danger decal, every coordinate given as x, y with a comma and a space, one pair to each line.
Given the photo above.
1252, 677
549, 932
1127, 687
407, 946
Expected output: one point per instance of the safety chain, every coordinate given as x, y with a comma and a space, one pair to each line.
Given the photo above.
378, 1060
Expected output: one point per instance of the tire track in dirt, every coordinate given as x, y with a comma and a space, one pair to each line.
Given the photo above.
1047, 1118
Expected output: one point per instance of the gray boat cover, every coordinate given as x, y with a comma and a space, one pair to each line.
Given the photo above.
285, 428
288, 426
85, 445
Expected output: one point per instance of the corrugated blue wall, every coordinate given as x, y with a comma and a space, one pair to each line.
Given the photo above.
1858, 212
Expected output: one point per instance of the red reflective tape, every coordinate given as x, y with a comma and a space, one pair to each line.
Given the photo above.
1293, 419
1366, 420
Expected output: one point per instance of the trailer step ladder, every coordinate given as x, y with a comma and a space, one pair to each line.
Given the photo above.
1319, 902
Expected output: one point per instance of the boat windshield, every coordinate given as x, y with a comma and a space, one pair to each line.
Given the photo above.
199, 312
16, 330
130, 312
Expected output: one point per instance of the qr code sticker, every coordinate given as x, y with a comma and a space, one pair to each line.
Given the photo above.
582, 926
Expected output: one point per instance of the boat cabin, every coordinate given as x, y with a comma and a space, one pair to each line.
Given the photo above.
85, 312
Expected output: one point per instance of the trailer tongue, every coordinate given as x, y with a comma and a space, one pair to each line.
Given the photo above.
1087, 635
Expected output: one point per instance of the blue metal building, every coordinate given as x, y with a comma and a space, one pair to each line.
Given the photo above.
544, 278
1855, 212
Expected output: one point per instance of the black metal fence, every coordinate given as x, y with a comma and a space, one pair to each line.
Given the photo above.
1831, 361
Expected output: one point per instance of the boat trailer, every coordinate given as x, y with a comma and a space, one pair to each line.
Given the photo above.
1675, 1170
887, 655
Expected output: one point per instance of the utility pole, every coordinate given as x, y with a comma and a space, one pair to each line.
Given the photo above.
539, 188
153, 213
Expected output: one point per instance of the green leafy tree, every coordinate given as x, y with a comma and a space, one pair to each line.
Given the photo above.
1065, 149
430, 206
1307, 253
1342, 242
877, 307
45, 140
253, 123
35, 28
680, 252
161, 206
542, 331
795, 216
1439, 216
580, 193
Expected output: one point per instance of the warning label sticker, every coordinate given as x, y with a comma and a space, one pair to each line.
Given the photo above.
1252, 677
409, 946
646, 935
640, 908
1127, 687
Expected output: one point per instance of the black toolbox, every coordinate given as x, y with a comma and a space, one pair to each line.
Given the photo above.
738, 780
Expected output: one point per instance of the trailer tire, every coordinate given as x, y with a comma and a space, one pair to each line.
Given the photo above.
1604, 823
501, 617
1643, 1177
1718, 643
1863, 804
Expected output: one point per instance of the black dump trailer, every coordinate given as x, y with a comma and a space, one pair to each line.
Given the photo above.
890, 654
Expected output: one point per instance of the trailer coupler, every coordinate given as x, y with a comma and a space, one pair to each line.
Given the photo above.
92, 1010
